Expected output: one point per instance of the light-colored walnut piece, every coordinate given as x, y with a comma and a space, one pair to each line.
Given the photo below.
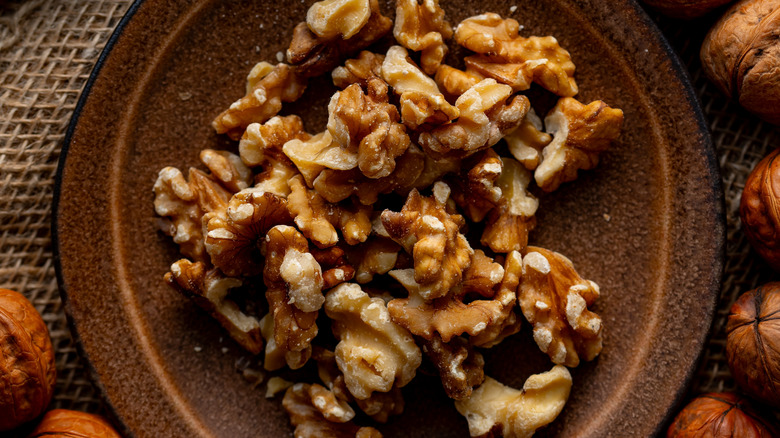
235, 235
555, 300
317, 153
508, 225
460, 365
313, 55
275, 178
373, 353
338, 18
227, 168
358, 70
454, 82
367, 124
318, 219
425, 230
527, 141
422, 28
580, 133
497, 410
421, 102
262, 142
486, 114
267, 87
294, 292
474, 190
300, 402
209, 290
276, 385
484, 319
377, 255
511, 59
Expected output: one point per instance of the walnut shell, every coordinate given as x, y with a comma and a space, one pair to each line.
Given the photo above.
742, 57
760, 210
65, 423
27, 371
719, 415
753, 343
685, 9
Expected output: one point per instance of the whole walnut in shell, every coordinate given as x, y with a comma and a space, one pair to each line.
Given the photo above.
741, 55
686, 9
719, 415
759, 209
65, 423
753, 343
27, 371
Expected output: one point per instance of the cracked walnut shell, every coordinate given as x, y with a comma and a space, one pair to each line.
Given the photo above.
494, 409
422, 28
759, 210
425, 230
67, 423
740, 55
555, 300
580, 132
267, 87
487, 112
511, 59
373, 353
366, 123
27, 369
209, 290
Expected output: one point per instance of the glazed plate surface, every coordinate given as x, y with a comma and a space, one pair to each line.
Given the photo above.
647, 225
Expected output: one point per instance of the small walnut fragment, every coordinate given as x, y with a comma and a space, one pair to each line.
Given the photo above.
183, 203
335, 267
209, 290
486, 113
267, 87
513, 60
235, 235
357, 71
475, 190
580, 133
527, 141
317, 153
367, 124
425, 230
422, 28
508, 225
262, 142
294, 292
377, 255
421, 102
373, 353
227, 168
460, 365
316, 55
318, 219
454, 82
497, 410
555, 299
309, 420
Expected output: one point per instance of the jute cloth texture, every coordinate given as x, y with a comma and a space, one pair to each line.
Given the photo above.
47, 50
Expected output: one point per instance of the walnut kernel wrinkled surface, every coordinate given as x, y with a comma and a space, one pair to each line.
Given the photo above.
309, 420
511, 59
373, 353
555, 300
508, 225
423, 28
527, 141
496, 408
262, 142
358, 70
267, 88
580, 132
338, 18
460, 366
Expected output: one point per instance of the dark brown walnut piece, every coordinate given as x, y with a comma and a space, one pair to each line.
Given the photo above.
741, 56
724, 414
66, 423
314, 56
28, 372
753, 343
309, 421
209, 289
460, 365
760, 211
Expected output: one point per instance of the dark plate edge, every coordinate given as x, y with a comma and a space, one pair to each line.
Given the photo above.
85, 92
642, 16
716, 188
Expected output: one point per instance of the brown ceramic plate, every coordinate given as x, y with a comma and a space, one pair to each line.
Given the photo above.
647, 224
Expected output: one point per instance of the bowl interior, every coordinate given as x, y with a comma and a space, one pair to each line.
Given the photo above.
646, 224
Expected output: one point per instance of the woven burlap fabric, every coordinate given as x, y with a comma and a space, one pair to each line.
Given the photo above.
47, 50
